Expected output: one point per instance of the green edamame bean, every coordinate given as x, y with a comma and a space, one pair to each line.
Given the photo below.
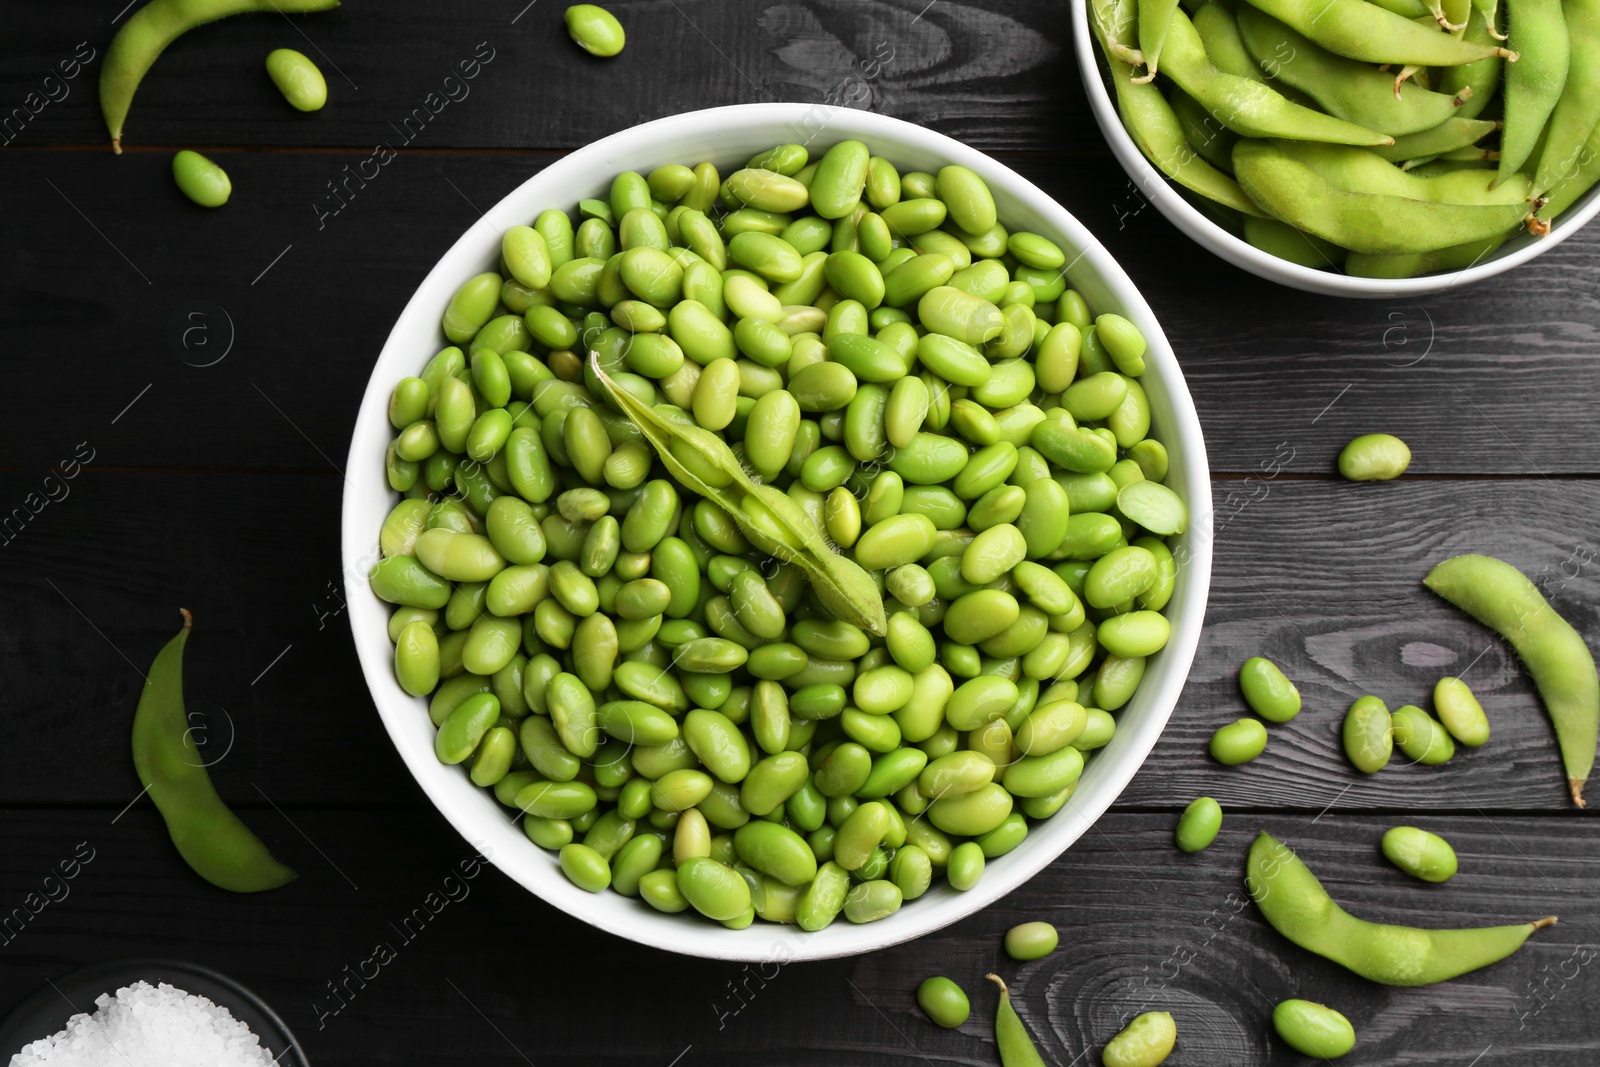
1031, 941
585, 868
1374, 457
298, 79
1419, 853
416, 658
1145, 1042
1460, 713
824, 898
1421, 737
965, 867
777, 851
872, 900
944, 1002
465, 726
1368, 735
971, 814
203, 181
595, 30
1269, 694
1200, 824
714, 889
1313, 1029
1238, 742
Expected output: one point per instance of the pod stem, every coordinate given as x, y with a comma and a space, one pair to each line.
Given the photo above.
997, 980
1575, 784
1540, 924
116, 145
188, 620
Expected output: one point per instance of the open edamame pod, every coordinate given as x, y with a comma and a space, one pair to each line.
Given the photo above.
209, 836
1295, 903
157, 24
772, 521
1503, 599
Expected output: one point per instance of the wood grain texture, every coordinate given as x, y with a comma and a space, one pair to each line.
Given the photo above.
1341, 608
991, 73
1494, 379
495, 975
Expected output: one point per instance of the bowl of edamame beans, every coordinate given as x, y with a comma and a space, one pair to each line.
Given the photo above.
1362, 151
775, 532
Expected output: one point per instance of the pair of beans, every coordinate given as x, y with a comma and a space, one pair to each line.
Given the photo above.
582, 562
1270, 695
1399, 184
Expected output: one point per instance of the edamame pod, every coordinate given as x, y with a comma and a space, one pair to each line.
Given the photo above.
1297, 906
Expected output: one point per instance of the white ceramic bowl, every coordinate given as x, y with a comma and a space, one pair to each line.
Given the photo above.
728, 136
1182, 213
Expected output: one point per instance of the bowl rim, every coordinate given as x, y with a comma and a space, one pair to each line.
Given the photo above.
462, 803
1154, 185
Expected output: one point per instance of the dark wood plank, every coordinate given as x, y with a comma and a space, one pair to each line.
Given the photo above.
1492, 379
499, 976
997, 74
100, 574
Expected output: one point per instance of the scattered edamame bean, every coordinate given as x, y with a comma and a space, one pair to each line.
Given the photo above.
200, 179
943, 1001
298, 79
1268, 692
1238, 742
1313, 1029
1031, 941
595, 30
1199, 825
1420, 854
1460, 712
1374, 457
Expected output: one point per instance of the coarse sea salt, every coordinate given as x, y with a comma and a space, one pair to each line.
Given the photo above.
149, 1026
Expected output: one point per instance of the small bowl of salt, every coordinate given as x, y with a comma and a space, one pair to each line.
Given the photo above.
147, 1013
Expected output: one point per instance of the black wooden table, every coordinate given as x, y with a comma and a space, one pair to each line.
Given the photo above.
180, 388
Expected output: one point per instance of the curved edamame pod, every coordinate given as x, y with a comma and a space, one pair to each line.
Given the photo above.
210, 837
1381, 223
1152, 123
1577, 112
1249, 107
1454, 132
1358, 170
1359, 30
1348, 89
1298, 907
157, 24
1503, 599
1535, 81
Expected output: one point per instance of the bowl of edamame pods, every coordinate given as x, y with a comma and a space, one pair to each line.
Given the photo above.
1348, 147
775, 550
